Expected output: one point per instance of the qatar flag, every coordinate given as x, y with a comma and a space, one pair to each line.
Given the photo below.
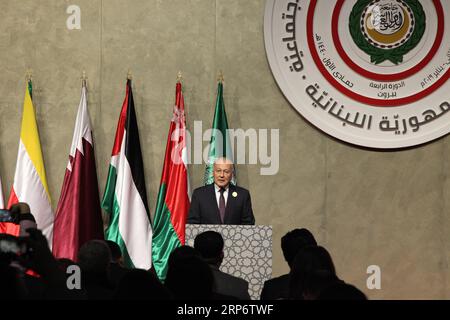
78, 216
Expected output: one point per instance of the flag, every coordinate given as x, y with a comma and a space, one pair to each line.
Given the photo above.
30, 182
219, 145
78, 216
173, 197
125, 197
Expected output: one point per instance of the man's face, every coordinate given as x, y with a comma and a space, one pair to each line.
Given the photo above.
223, 172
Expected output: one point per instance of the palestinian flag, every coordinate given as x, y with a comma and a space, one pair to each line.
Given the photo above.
30, 181
125, 198
78, 215
173, 197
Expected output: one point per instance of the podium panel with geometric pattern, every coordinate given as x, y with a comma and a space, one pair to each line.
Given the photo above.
247, 252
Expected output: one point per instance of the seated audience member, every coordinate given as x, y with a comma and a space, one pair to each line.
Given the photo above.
312, 270
291, 243
94, 258
139, 284
64, 263
181, 253
188, 276
316, 282
116, 268
341, 291
210, 245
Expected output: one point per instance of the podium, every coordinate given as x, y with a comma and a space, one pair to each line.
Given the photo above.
247, 252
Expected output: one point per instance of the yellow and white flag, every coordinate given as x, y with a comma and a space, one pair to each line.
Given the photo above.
30, 182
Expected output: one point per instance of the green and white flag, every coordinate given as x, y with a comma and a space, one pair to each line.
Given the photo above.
219, 145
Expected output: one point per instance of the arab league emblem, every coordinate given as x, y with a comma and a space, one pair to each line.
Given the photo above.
387, 29
373, 73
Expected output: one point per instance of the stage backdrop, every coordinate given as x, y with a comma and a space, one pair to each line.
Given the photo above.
366, 207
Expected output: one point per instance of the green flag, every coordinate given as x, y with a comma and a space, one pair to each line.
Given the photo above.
219, 145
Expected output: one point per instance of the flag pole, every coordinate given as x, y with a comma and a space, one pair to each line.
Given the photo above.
179, 77
83, 79
29, 75
29, 79
129, 75
220, 77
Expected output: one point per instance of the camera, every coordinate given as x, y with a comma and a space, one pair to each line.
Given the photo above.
7, 216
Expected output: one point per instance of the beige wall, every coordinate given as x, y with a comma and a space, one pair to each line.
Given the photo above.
366, 207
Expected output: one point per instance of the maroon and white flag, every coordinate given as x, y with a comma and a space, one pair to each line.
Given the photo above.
78, 215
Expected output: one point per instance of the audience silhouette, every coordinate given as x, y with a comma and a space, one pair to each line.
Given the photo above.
188, 276
312, 270
210, 245
291, 243
28, 270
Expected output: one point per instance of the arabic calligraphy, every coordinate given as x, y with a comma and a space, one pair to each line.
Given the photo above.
320, 45
387, 86
328, 63
438, 71
294, 57
387, 18
393, 87
400, 126
337, 112
341, 77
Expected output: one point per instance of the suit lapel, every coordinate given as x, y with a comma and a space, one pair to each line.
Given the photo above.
213, 201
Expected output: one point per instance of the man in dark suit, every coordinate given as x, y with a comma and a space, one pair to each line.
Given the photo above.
291, 243
221, 202
210, 245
